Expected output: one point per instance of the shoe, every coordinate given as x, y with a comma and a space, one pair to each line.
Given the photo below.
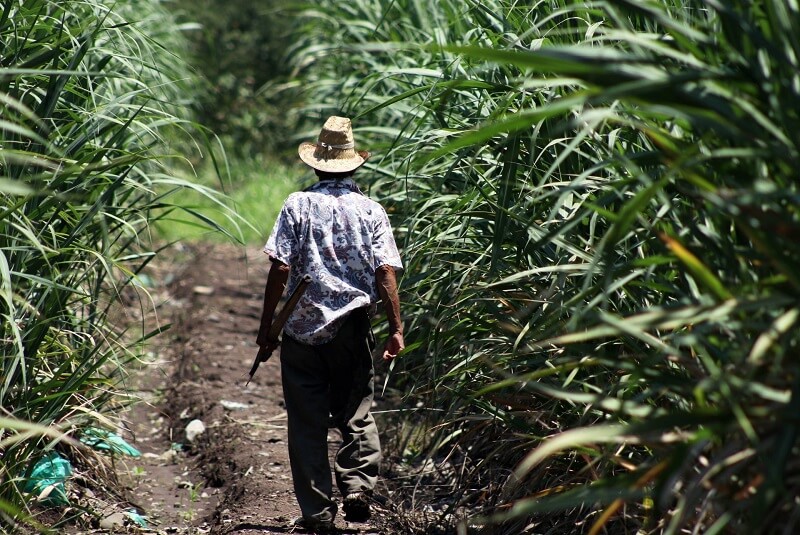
356, 507
313, 525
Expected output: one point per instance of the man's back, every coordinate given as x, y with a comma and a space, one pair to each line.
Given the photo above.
339, 237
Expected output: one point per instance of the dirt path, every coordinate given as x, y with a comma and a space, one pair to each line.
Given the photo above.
235, 476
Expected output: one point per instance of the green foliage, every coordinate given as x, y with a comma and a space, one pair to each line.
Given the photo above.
88, 102
599, 209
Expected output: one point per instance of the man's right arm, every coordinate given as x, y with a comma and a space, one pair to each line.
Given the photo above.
387, 289
276, 282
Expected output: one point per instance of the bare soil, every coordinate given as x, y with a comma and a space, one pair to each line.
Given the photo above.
234, 477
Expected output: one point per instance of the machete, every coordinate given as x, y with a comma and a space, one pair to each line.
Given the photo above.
278, 323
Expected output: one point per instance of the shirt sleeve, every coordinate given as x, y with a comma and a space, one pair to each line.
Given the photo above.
282, 242
384, 248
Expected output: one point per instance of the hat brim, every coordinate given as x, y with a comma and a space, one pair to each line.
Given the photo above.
332, 165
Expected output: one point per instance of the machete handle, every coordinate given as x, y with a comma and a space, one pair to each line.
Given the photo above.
278, 323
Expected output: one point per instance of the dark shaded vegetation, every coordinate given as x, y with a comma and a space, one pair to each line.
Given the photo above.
240, 50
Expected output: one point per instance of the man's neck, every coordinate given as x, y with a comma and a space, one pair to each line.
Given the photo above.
322, 175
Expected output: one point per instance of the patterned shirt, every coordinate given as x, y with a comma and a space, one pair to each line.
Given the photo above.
340, 237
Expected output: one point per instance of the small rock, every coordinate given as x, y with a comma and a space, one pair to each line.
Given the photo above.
169, 456
233, 405
194, 429
203, 290
113, 521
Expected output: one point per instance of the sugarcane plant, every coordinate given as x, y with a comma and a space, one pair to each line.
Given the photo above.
91, 113
599, 213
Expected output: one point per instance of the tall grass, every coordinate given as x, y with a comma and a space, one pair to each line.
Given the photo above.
91, 97
598, 205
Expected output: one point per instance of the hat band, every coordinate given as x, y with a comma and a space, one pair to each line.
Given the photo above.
328, 146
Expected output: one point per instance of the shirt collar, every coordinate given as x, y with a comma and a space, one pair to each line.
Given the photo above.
345, 183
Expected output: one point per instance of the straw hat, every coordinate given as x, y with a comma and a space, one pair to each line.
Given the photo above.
335, 150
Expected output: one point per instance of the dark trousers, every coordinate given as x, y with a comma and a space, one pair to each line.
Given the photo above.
331, 385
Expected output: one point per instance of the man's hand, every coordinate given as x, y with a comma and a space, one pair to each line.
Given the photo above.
393, 346
266, 350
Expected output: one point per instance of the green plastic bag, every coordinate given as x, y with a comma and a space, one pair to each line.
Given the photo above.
140, 520
47, 479
100, 439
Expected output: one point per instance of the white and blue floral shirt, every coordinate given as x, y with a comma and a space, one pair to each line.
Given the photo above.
340, 237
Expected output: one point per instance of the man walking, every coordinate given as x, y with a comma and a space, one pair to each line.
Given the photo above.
343, 240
